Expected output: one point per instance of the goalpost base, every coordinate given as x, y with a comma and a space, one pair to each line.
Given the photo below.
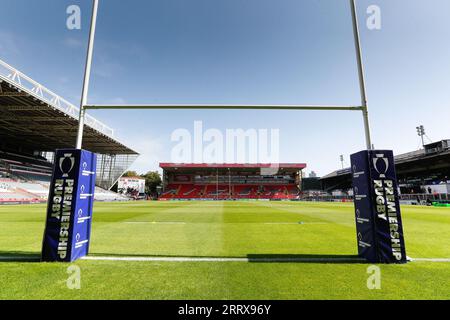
70, 204
377, 207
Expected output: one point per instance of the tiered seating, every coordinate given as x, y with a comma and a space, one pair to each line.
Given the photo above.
25, 167
189, 191
12, 191
223, 192
14, 196
17, 191
3, 169
182, 192
34, 176
29, 180
171, 192
105, 195
33, 188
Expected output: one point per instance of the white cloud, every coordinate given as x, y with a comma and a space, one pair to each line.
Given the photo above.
73, 43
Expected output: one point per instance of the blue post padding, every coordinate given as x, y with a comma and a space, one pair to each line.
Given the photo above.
70, 205
377, 207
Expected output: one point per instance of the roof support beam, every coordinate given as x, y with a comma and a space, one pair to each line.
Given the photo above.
13, 94
19, 118
25, 108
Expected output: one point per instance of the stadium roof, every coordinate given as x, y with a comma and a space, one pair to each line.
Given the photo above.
208, 166
33, 116
433, 161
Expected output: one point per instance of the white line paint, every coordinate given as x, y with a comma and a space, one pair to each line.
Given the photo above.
212, 259
431, 259
154, 222
297, 223
166, 259
224, 259
291, 223
179, 222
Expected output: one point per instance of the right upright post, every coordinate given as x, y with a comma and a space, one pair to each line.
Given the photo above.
376, 195
362, 83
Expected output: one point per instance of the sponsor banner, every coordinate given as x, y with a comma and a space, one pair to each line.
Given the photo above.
70, 204
128, 185
377, 207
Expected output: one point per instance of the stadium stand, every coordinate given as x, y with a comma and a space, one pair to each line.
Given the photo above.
108, 196
25, 167
34, 122
231, 181
14, 191
423, 175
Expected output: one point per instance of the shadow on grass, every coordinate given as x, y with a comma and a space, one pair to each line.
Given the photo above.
19, 256
304, 258
255, 258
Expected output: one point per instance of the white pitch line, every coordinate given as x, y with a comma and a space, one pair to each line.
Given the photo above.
296, 223
166, 259
153, 222
211, 259
431, 259
175, 222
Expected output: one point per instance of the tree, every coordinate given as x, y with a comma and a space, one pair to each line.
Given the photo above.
152, 181
129, 174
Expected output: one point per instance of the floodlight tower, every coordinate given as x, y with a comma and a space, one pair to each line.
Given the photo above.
421, 133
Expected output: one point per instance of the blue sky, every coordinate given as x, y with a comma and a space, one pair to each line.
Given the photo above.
245, 51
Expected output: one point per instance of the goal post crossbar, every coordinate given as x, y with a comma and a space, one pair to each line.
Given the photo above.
222, 107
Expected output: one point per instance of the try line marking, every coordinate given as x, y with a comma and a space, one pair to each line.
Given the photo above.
431, 259
154, 222
224, 259
217, 259
212, 259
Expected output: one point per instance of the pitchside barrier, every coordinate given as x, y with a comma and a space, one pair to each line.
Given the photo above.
377, 209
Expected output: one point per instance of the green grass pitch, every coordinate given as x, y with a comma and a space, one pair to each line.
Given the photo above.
223, 229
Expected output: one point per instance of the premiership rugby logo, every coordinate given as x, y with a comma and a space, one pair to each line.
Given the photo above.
381, 165
66, 164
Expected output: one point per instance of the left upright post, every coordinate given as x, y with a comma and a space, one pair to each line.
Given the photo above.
71, 198
87, 75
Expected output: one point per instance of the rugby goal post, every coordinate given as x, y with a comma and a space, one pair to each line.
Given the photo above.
377, 208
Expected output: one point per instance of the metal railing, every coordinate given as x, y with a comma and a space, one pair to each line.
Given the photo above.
28, 85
